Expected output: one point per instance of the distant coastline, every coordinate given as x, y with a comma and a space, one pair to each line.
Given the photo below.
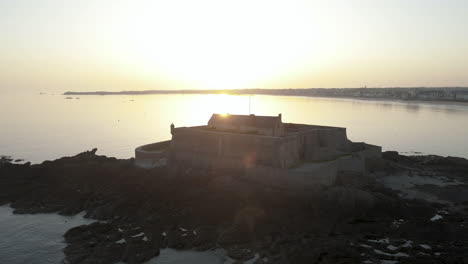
454, 94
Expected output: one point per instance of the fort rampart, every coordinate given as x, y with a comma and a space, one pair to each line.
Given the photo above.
202, 147
152, 155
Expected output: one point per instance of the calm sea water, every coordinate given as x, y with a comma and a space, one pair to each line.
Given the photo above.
42, 127
34, 238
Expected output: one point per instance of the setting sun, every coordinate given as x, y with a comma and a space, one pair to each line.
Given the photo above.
217, 44
207, 44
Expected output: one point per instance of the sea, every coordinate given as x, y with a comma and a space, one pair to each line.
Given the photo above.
35, 127
38, 127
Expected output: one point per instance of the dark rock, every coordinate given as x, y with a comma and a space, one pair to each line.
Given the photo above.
139, 251
238, 252
180, 238
391, 155
310, 226
236, 234
205, 237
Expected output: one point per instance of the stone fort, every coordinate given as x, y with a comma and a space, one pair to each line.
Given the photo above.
262, 145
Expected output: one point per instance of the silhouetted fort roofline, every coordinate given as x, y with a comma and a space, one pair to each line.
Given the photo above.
456, 94
251, 124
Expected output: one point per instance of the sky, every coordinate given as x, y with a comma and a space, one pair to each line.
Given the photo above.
68, 45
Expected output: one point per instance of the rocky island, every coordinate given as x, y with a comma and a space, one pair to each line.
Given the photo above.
414, 210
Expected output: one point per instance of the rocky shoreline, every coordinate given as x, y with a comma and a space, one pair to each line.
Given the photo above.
355, 221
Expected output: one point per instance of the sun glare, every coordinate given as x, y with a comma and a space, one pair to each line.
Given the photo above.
227, 49
203, 106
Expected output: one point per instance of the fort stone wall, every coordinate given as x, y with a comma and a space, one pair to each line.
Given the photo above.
213, 149
315, 143
152, 155
203, 147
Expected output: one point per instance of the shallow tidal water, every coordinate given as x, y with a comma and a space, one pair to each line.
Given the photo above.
34, 238
38, 239
39, 127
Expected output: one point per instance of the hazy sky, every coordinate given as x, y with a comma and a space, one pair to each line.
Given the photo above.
60, 45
